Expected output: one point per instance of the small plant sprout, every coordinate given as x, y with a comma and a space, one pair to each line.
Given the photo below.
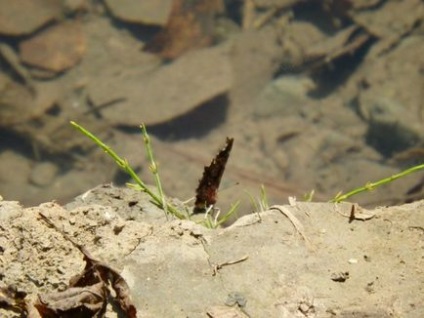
158, 197
154, 167
308, 197
159, 200
214, 220
259, 204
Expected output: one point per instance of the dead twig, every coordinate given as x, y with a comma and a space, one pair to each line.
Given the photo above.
217, 267
356, 213
294, 220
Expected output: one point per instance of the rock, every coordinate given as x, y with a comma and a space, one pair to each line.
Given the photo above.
143, 12
275, 3
15, 102
170, 91
225, 312
19, 103
10, 209
76, 5
390, 97
363, 4
11, 162
56, 49
43, 174
190, 26
390, 130
393, 19
127, 203
261, 265
390, 23
283, 96
11, 57
25, 16
255, 58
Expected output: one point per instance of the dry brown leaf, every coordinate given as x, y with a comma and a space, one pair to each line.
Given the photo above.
87, 301
95, 274
107, 274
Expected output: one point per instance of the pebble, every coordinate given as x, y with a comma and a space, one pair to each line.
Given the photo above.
43, 174
143, 12
56, 49
15, 19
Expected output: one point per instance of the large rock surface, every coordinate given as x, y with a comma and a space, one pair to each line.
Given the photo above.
260, 266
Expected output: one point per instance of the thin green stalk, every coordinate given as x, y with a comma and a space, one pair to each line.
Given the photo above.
253, 202
227, 215
307, 197
260, 204
213, 222
264, 199
154, 167
124, 165
372, 185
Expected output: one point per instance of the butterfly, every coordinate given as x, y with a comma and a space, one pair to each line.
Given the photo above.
207, 191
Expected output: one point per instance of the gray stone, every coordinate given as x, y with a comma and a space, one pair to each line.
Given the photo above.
141, 11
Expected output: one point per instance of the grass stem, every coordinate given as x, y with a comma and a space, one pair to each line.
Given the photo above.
372, 185
124, 165
154, 167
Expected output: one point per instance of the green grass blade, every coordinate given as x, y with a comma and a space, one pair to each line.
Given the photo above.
264, 199
253, 202
124, 165
227, 215
372, 185
154, 167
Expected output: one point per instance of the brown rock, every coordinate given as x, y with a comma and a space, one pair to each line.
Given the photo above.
393, 19
363, 4
43, 173
171, 91
25, 16
190, 26
141, 11
275, 3
390, 23
15, 102
56, 49
19, 103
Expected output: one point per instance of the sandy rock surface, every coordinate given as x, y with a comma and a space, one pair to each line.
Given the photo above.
326, 101
299, 260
